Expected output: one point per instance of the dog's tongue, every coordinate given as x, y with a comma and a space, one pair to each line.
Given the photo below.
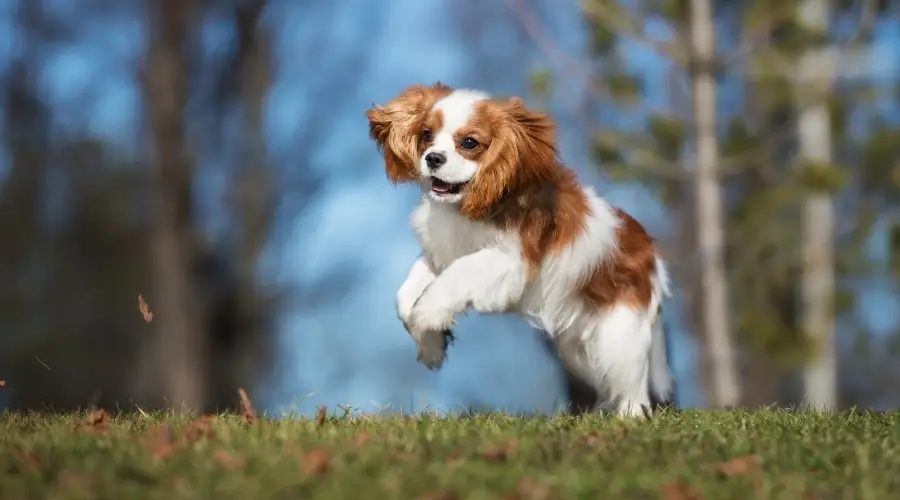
439, 186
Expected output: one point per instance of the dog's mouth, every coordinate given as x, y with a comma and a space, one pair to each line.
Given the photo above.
446, 188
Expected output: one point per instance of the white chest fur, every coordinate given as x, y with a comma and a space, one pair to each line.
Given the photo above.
446, 236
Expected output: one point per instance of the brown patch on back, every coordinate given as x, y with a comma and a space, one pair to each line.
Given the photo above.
625, 277
396, 128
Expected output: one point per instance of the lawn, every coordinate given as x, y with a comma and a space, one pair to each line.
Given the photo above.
686, 455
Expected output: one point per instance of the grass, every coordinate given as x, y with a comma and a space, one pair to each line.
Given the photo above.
686, 455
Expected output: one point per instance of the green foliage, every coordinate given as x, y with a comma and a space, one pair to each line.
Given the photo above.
820, 177
894, 248
880, 160
668, 133
542, 83
624, 87
602, 40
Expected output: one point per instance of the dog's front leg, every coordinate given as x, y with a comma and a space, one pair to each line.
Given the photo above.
420, 276
490, 280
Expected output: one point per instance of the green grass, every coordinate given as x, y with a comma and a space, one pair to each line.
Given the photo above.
728, 454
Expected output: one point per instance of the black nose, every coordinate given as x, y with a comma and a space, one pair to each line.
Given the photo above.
435, 160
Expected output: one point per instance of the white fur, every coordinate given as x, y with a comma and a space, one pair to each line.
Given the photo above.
619, 351
456, 109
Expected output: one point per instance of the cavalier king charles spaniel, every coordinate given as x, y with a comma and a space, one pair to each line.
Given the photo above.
506, 227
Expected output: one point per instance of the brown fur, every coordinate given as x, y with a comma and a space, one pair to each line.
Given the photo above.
395, 128
625, 277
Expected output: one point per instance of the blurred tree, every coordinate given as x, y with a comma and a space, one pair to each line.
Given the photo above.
765, 184
176, 242
78, 215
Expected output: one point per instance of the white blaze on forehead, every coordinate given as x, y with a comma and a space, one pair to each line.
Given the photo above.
457, 109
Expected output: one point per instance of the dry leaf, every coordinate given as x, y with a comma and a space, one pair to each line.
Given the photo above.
321, 414
317, 462
230, 460
500, 452
247, 410
199, 429
361, 439
162, 443
440, 495
98, 420
145, 309
29, 461
681, 491
528, 489
740, 466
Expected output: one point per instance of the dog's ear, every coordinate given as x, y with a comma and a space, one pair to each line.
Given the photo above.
523, 152
395, 127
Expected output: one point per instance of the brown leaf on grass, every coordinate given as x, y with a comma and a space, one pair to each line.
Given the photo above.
317, 462
321, 414
500, 452
96, 421
681, 491
361, 439
528, 489
440, 495
145, 309
199, 429
27, 462
162, 442
740, 466
247, 410
230, 460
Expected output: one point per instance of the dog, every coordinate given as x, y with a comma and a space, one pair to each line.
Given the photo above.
505, 226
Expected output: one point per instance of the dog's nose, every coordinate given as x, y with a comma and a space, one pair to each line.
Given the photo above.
434, 160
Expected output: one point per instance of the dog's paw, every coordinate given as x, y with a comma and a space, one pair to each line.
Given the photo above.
432, 347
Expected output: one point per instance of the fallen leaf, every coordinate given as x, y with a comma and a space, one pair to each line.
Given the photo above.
361, 439
162, 443
500, 452
321, 414
316, 462
98, 420
199, 429
681, 491
230, 460
145, 309
247, 410
440, 495
528, 489
29, 461
740, 466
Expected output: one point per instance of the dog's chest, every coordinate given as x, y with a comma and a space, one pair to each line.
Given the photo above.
446, 236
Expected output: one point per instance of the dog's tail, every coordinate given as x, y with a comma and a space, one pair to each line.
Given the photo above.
662, 382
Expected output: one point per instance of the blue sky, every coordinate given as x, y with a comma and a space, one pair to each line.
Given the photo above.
353, 350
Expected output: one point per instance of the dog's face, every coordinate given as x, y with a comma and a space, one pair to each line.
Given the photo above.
462, 147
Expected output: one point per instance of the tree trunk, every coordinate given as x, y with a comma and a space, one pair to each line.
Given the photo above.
177, 312
817, 285
719, 356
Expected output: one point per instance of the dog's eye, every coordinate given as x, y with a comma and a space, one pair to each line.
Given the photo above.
426, 135
469, 143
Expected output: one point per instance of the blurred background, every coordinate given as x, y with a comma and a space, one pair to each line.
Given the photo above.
212, 158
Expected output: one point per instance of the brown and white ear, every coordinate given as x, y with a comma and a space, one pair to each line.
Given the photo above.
395, 128
523, 152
